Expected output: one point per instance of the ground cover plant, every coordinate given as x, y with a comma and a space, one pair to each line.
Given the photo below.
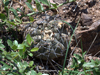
14, 61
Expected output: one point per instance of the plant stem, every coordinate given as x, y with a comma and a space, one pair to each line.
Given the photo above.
68, 48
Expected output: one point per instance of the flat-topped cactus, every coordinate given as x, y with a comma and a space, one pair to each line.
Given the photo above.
50, 37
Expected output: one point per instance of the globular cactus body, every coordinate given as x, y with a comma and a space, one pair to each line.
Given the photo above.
51, 38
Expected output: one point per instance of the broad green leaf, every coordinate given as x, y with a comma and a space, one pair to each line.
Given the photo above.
37, 1
26, 44
29, 39
12, 23
54, 5
14, 11
9, 42
39, 7
31, 18
89, 65
0, 40
20, 46
5, 53
32, 72
29, 1
31, 63
22, 66
2, 46
21, 53
39, 73
8, 56
72, 0
14, 47
29, 5
7, 2
15, 55
5, 66
2, 16
25, 64
34, 49
30, 54
45, 2
15, 43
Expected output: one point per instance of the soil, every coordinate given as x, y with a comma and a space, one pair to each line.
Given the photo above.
88, 30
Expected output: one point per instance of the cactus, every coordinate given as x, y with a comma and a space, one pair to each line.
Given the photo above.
50, 37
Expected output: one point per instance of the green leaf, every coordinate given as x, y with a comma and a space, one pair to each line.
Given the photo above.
14, 11
29, 5
32, 72
74, 63
15, 56
20, 46
31, 63
45, 2
54, 5
26, 44
18, 20
12, 23
30, 54
0, 40
2, 16
19, 9
15, 43
83, 54
14, 47
22, 66
5, 53
41, 73
7, 2
21, 53
34, 49
72, 0
10, 74
22, 50
37, 1
79, 58
89, 65
31, 18
5, 66
7, 10
39, 7
29, 1
29, 39
2, 46
9, 42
